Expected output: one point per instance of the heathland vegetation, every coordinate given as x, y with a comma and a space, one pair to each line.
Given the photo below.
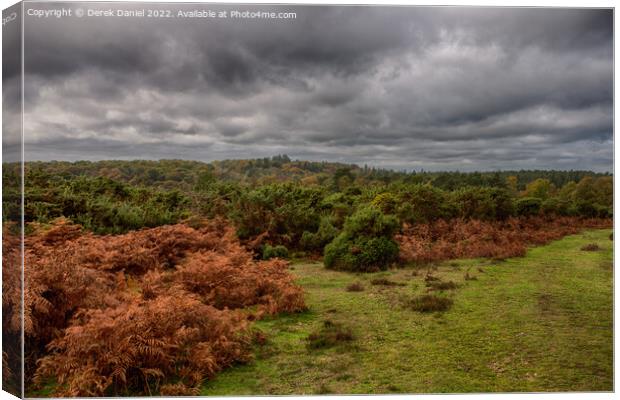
150, 277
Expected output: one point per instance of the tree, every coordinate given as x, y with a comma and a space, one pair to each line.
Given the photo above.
604, 187
540, 188
512, 184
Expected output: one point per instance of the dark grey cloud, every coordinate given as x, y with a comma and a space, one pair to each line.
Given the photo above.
396, 87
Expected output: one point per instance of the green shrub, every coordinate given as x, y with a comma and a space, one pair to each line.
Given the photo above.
483, 203
550, 206
103, 205
605, 212
586, 209
285, 211
365, 243
377, 252
602, 211
474, 202
339, 255
504, 204
528, 206
370, 222
308, 240
317, 241
423, 204
386, 202
340, 206
274, 251
558, 206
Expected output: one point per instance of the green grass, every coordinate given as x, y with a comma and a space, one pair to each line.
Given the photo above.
538, 323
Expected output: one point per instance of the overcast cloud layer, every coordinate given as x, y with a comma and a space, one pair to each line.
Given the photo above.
401, 87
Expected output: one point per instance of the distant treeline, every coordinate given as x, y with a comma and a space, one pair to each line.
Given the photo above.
182, 174
294, 205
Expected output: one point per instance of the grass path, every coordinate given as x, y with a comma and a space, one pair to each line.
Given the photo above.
538, 323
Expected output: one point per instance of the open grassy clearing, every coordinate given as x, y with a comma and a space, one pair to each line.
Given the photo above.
538, 323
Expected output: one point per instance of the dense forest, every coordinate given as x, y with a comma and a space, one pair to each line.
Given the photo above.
183, 174
148, 232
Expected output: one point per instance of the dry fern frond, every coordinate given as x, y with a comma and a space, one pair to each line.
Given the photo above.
460, 238
154, 311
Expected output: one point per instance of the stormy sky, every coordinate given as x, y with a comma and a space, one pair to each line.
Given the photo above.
394, 87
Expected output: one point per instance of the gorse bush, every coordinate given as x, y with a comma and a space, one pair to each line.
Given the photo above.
300, 205
285, 212
365, 244
483, 203
387, 202
103, 205
149, 312
316, 241
423, 204
371, 222
528, 206
274, 252
339, 206
375, 252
